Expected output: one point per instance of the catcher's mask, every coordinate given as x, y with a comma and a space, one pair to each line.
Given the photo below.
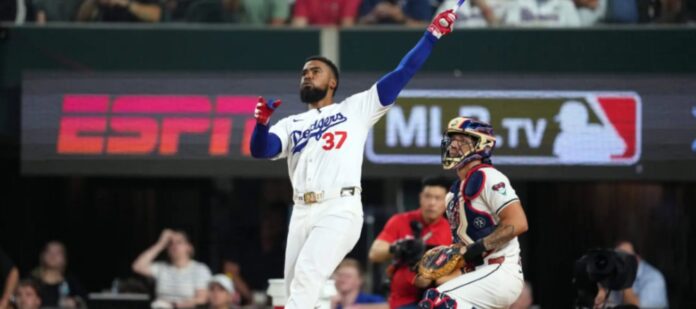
457, 150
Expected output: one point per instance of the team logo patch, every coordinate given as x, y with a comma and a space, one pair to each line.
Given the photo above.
500, 188
479, 223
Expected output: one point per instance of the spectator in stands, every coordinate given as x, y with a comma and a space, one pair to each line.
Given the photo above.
27, 295
349, 280
325, 12
182, 281
541, 13
644, 11
57, 288
56, 10
649, 289
415, 13
231, 270
9, 275
627, 12
120, 11
221, 294
259, 12
591, 12
477, 13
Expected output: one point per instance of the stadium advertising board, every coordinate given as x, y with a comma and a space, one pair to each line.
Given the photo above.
200, 125
533, 127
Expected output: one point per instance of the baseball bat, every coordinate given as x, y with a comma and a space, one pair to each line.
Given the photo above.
459, 4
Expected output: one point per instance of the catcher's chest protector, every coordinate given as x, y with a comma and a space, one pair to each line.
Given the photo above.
469, 224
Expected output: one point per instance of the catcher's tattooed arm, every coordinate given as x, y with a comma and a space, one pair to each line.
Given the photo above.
513, 222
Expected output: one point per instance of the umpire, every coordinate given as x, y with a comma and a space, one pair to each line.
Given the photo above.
405, 238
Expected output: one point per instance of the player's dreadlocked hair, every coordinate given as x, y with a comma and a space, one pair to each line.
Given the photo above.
328, 62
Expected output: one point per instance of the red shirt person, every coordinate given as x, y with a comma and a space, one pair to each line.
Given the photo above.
397, 241
325, 12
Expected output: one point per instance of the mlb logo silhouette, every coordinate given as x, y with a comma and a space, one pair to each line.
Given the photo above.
614, 139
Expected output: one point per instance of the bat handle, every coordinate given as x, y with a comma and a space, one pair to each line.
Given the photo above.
459, 4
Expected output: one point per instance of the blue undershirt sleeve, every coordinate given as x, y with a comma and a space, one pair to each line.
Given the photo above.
264, 145
389, 86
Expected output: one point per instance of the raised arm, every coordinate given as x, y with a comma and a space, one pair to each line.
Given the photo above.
142, 264
263, 144
389, 86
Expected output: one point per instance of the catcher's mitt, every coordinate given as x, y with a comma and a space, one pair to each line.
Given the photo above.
440, 261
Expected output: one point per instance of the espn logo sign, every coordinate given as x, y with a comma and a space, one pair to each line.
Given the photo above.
150, 124
531, 127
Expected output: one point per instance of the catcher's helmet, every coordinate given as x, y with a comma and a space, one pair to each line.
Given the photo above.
483, 142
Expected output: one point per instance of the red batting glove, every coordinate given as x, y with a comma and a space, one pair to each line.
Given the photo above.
442, 24
264, 110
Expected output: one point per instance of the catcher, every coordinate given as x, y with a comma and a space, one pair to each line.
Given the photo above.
482, 269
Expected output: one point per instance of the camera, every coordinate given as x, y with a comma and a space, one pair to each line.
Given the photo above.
611, 269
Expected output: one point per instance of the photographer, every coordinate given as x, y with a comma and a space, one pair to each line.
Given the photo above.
648, 290
399, 242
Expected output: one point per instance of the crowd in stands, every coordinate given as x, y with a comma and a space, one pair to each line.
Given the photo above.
348, 13
179, 281
168, 274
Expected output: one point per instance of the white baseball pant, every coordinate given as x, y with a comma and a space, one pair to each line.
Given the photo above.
319, 237
489, 286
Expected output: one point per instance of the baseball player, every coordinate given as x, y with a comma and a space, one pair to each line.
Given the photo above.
486, 217
324, 149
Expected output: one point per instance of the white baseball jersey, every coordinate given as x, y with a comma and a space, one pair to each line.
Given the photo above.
324, 147
469, 15
473, 208
541, 13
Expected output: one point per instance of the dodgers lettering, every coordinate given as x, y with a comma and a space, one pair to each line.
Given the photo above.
316, 130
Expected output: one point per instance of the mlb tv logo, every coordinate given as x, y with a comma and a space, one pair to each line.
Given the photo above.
531, 127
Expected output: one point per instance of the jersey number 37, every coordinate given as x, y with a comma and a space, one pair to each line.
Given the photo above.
334, 140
